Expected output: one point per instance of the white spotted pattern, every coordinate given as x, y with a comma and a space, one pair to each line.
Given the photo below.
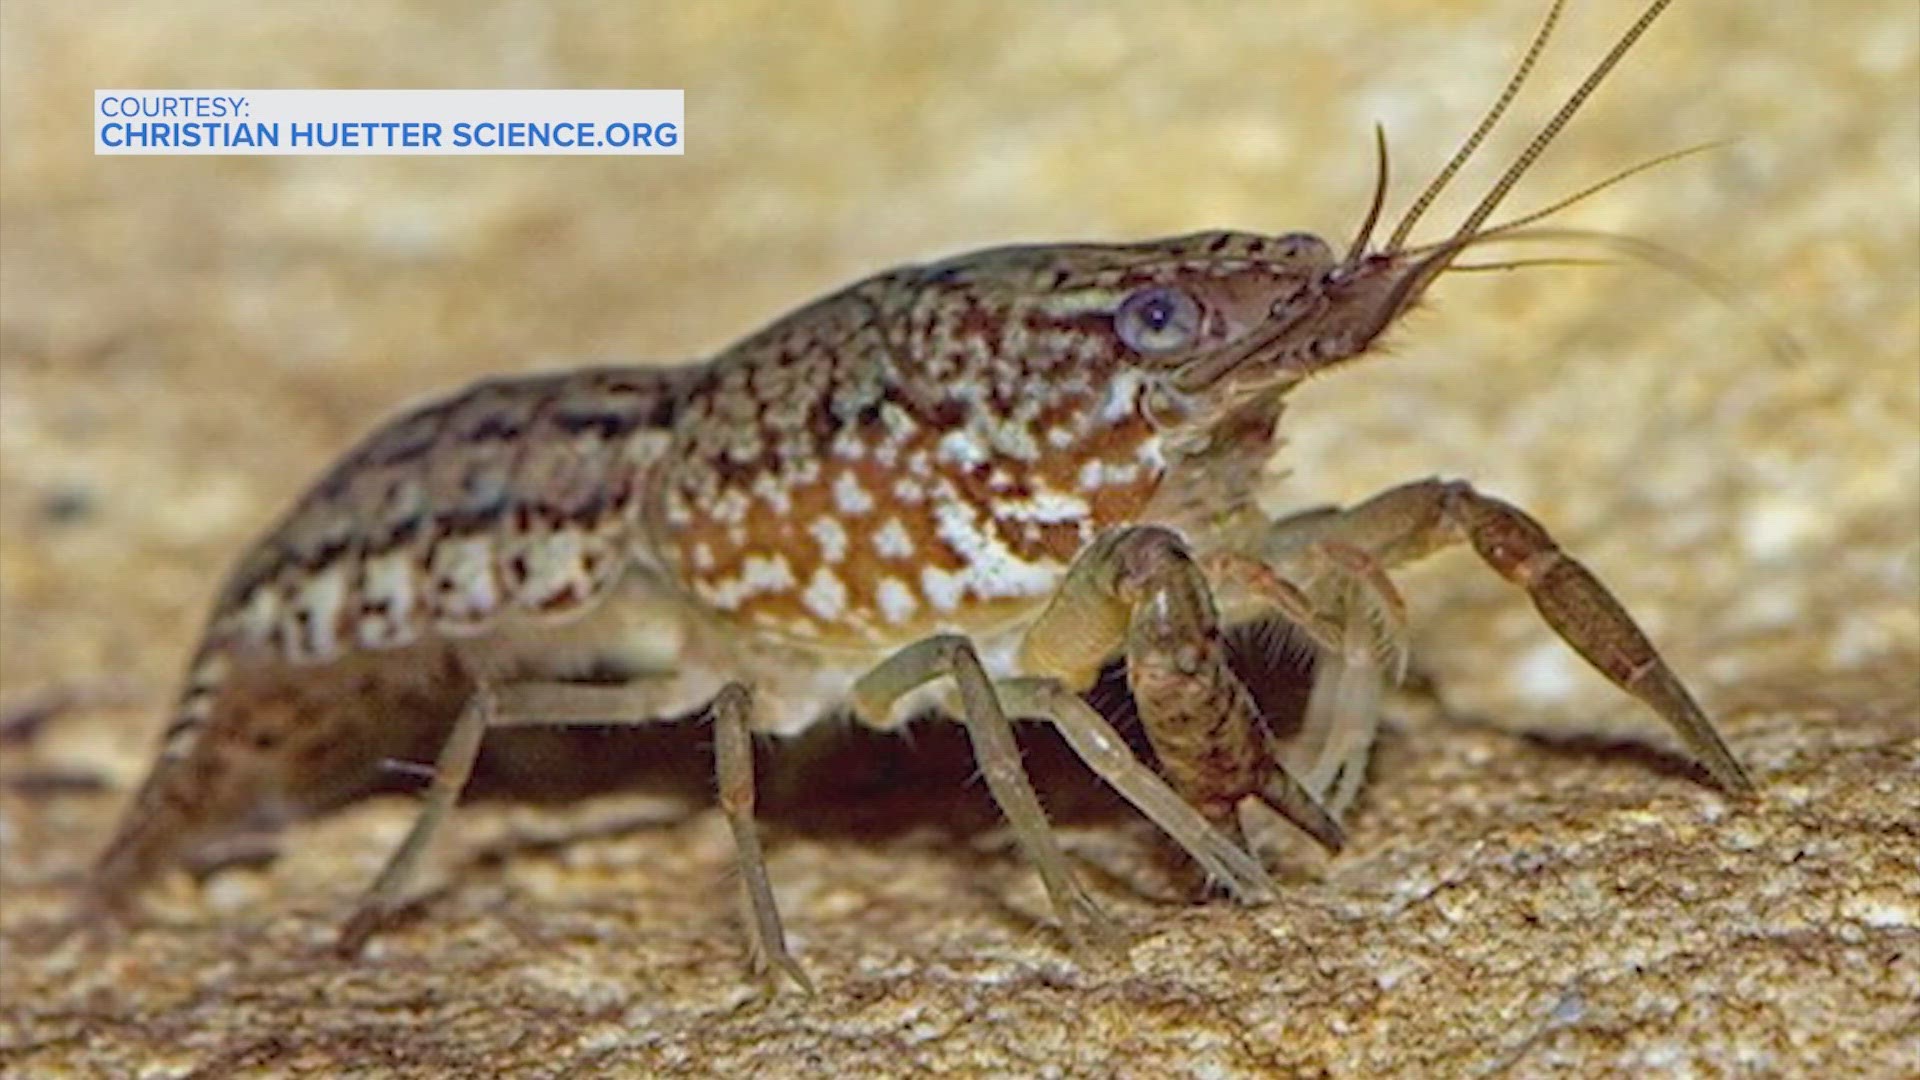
759, 574
991, 570
831, 536
826, 595
849, 496
896, 599
892, 541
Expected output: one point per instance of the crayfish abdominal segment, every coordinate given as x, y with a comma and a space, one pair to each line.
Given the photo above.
969, 484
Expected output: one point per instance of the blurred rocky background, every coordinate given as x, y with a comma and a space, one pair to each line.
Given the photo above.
1535, 884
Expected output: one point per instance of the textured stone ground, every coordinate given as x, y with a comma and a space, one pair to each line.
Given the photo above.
1531, 889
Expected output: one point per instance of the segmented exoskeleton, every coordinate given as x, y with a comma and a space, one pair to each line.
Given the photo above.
969, 484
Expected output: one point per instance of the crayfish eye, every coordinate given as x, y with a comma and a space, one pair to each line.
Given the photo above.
1158, 319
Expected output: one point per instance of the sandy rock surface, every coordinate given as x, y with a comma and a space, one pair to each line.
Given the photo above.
1535, 884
